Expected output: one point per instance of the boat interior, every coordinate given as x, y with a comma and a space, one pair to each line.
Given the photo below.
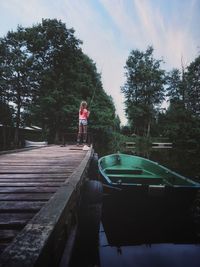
122, 170
133, 176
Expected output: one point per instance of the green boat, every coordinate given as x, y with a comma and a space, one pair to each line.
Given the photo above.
142, 178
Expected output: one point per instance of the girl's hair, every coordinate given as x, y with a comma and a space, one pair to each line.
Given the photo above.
82, 106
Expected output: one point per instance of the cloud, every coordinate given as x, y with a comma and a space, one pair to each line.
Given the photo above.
24, 12
170, 38
110, 29
142, 23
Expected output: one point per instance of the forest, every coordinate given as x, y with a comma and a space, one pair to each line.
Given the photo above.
44, 75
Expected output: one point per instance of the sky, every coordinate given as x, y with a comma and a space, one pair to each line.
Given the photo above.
110, 29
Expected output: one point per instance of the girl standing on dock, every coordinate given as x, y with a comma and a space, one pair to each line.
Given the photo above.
83, 122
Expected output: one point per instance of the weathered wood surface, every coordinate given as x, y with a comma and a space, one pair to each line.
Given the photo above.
28, 180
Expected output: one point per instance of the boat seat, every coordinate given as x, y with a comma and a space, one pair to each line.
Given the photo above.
124, 171
145, 180
140, 176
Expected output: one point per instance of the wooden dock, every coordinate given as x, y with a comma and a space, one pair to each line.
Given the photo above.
130, 145
37, 188
161, 145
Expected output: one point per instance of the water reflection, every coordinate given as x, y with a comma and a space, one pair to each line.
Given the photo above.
162, 255
135, 237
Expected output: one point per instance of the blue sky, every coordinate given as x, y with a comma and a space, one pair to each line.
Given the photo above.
110, 29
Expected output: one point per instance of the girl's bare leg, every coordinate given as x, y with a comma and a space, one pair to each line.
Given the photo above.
80, 131
84, 133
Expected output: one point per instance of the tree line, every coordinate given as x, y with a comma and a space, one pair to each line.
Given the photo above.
148, 85
44, 75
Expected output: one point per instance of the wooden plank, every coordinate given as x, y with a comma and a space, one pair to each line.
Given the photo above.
38, 179
33, 167
20, 206
35, 163
3, 246
27, 197
162, 144
15, 220
35, 175
37, 172
7, 235
13, 189
31, 184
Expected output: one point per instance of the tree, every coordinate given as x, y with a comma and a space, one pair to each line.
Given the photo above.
45, 75
66, 76
174, 82
193, 87
54, 49
181, 121
15, 73
179, 125
143, 90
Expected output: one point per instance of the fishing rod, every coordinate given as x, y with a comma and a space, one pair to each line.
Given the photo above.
92, 98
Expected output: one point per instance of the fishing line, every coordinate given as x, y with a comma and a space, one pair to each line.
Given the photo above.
91, 100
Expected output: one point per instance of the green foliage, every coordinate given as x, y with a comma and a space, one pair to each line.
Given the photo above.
182, 122
5, 114
14, 71
193, 87
178, 124
110, 142
103, 113
143, 90
126, 130
46, 75
174, 85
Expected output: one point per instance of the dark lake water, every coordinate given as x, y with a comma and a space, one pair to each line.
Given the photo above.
145, 238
